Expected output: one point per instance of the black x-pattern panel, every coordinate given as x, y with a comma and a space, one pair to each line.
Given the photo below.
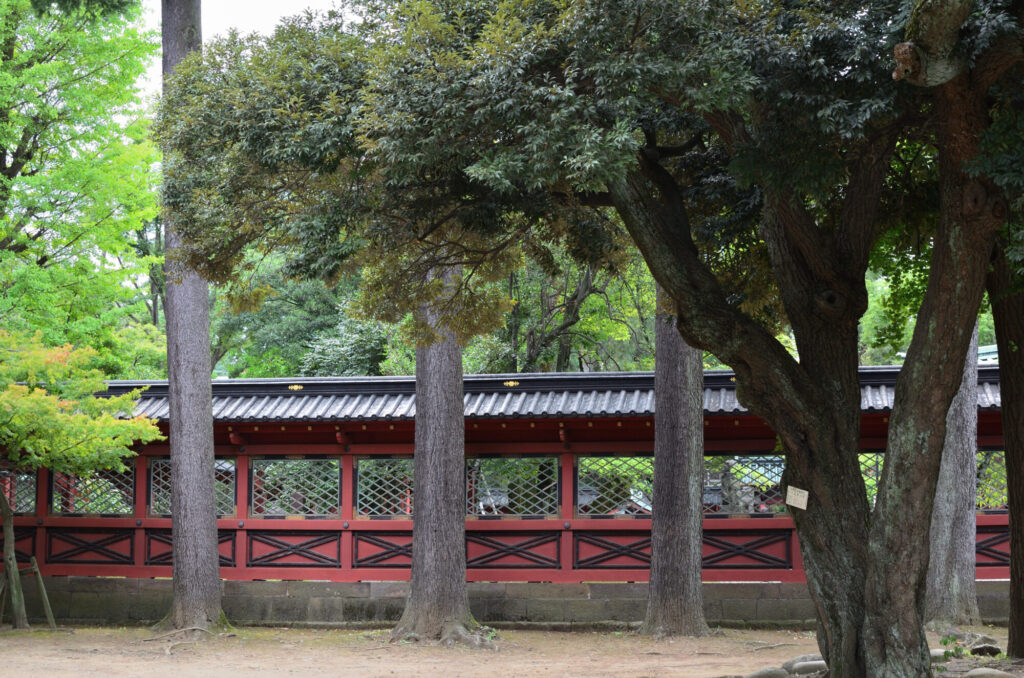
501, 549
23, 537
987, 547
302, 549
638, 549
166, 557
389, 550
749, 549
81, 545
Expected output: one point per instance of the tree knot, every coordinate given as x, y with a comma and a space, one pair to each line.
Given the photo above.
909, 63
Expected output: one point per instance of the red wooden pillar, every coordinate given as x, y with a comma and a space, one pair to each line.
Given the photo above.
141, 464
242, 490
568, 511
42, 511
348, 492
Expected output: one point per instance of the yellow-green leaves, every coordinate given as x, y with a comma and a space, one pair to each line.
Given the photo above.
49, 416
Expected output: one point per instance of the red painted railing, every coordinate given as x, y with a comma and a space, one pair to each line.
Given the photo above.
561, 548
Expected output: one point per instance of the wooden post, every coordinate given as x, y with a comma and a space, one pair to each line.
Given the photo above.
42, 594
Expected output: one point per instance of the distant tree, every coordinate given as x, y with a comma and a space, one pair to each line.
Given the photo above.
75, 177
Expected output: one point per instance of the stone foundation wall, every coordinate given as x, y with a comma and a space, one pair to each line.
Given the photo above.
101, 600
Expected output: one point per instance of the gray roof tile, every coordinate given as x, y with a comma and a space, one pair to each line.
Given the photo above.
620, 394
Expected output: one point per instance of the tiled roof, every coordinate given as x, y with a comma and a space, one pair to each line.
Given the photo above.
504, 396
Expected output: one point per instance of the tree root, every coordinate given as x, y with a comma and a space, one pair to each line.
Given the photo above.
451, 634
176, 631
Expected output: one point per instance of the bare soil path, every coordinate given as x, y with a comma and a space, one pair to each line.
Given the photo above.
264, 652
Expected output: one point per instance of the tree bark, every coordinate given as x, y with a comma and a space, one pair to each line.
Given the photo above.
18, 614
196, 574
675, 604
438, 606
970, 215
866, 569
952, 598
1007, 299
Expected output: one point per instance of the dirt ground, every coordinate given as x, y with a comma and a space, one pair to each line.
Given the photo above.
251, 652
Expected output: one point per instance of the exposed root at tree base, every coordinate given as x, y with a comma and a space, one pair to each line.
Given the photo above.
663, 631
450, 635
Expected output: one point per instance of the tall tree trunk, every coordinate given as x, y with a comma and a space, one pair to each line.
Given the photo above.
196, 586
675, 604
971, 213
18, 614
952, 597
1007, 298
438, 606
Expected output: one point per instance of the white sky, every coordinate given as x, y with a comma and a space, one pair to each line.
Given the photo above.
219, 16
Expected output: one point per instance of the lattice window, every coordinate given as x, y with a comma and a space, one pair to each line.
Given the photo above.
160, 486
295, 487
384, 487
871, 468
609, 486
744, 484
992, 480
19, 486
514, 486
103, 492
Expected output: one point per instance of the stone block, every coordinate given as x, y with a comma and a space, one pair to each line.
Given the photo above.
478, 608
712, 610
156, 586
992, 587
326, 589
782, 610
246, 609
506, 610
289, 609
545, 610
792, 590
150, 607
326, 610
588, 610
60, 603
993, 608
627, 609
744, 590
547, 591
104, 608
57, 583
485, 589
112, 585
739, 608
389, 589
605, 591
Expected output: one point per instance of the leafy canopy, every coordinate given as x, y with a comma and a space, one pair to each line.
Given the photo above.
49, 416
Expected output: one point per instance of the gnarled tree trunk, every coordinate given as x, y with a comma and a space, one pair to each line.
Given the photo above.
675, 600
438, 606
1007, 298
197, 594
952, 596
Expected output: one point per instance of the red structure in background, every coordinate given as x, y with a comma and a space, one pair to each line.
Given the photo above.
567, 418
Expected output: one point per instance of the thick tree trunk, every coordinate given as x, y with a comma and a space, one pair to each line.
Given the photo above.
18, 614
1007, 300
952, 598
971, 214
438, 607
197, 593
675, 604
